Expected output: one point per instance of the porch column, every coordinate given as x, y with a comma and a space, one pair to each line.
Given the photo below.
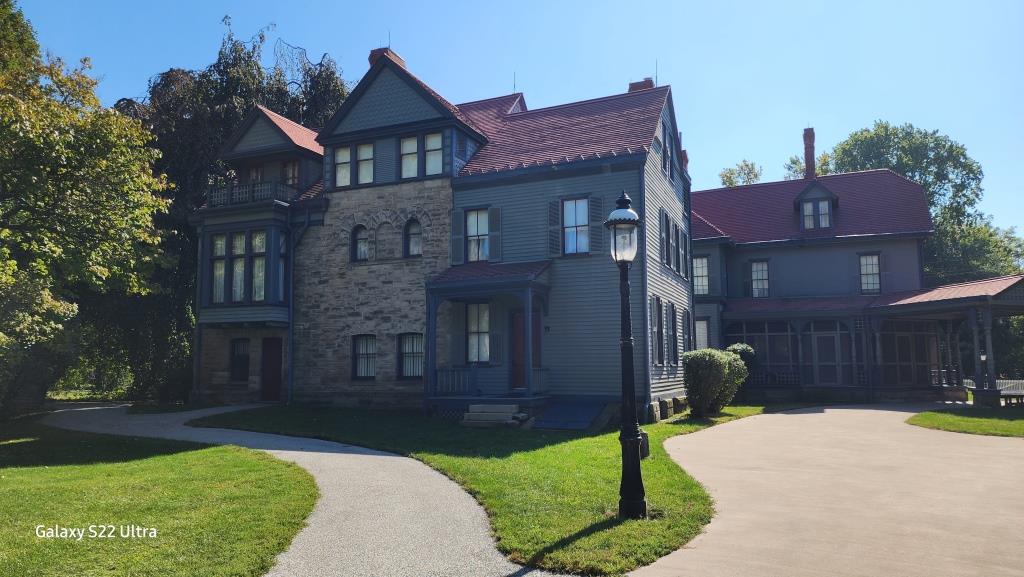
430, 346
972, 320
989, 352
798, 326
528, 339
958, 363
876, 373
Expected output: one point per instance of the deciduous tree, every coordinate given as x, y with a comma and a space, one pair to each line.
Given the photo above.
745, 172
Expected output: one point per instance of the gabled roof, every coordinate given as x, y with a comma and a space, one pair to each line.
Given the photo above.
388, 60
298, 134
623, 124
489, 114
872, 202
292, 132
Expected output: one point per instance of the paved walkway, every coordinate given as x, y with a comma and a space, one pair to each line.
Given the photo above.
851, 491
378, 515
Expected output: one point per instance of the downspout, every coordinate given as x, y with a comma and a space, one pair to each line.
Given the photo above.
296, 238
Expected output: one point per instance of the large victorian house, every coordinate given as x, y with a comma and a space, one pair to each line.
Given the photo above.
823, 277
417, 252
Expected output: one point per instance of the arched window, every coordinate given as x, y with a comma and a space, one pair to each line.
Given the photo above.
413, 238
360, 244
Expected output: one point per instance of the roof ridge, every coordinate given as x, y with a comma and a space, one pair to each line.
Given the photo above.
707, 222
588, 101
520, 94
284, 118
820, 177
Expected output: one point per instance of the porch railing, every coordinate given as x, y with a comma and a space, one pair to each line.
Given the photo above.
249, 193
456, 381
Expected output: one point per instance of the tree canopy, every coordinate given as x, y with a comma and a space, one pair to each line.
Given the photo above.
745, 172
78, 194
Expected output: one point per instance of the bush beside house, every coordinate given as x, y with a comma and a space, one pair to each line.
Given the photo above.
713, 378
749, 356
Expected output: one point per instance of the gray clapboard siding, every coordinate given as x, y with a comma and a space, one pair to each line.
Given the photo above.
262, 134
836, 267
662, 281
580, 329
387, 102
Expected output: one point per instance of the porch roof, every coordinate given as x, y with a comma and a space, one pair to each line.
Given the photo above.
482, 272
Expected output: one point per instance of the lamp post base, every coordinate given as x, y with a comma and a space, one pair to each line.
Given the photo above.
632, 509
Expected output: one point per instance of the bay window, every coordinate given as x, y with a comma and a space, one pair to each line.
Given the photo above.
259, 265
238, 267
219, 242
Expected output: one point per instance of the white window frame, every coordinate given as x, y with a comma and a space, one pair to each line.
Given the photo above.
870, 273
477, 235
760, 286
478, 333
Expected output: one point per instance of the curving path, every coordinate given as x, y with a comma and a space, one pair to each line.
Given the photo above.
379, 514
851, 491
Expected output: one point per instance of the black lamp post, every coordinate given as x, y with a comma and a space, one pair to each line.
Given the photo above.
623, 223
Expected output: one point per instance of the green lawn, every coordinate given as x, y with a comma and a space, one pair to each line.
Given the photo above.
218, 511
1002, 422
551, 496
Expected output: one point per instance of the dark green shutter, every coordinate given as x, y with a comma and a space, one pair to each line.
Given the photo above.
747, 281
494, 234
555, 228
458, 251
597, 230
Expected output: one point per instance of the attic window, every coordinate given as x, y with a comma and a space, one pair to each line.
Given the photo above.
817, 214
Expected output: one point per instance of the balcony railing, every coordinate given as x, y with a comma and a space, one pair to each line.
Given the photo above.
248, 193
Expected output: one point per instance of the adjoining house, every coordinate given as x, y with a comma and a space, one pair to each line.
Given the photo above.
823, 277
417, 252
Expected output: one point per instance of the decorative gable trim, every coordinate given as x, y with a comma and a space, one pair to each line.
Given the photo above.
327, 134
228, 152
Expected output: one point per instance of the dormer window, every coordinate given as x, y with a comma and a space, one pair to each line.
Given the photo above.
817, 214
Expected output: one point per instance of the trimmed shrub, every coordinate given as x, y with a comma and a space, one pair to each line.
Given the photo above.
712, 377
749, 356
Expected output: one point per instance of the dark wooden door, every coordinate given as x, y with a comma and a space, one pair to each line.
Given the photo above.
270, 372
517, 350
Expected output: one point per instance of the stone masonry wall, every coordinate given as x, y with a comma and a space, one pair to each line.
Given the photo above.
215, 363
336, 298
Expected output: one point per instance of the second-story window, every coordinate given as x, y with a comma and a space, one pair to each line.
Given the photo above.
410, 157
364, 157
290, 173
700, 275
259, 265
759, 279
575, 226
219, 246
477, 232
238, 267
870, 274
343, 166
434, 162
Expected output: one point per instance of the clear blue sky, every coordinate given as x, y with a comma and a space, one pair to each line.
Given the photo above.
747, 77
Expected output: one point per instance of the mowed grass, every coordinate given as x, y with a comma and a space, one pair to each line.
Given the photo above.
1001, 422
552, 497
218, 511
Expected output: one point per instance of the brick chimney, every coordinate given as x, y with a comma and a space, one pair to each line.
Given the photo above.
376, 53
809, 153
642, 85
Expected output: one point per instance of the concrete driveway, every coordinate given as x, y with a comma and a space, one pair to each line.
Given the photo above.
851, 491
378, 514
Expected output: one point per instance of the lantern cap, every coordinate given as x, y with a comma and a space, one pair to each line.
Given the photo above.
623, 214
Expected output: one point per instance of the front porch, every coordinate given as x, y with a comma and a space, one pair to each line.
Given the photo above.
488, 349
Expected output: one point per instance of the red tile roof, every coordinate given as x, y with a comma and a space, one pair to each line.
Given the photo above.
299, 135
489, 114
617, 125
870, 203
476, 271
704, 229
988, 287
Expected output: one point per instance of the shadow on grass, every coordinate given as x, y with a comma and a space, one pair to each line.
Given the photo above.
26, 443
570, 539
399, 432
